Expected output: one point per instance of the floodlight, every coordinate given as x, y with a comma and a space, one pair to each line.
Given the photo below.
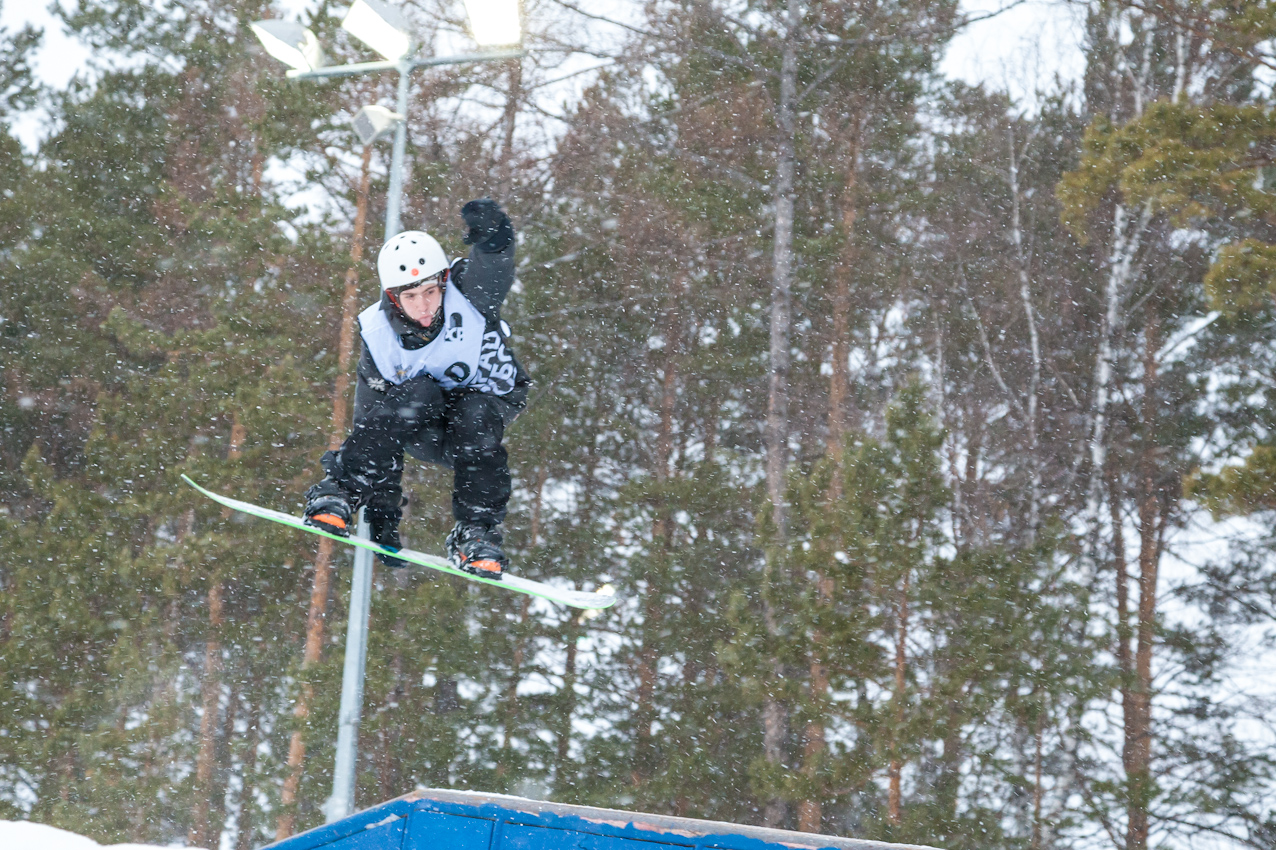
494, 21
373, 122
290, 43
380, 26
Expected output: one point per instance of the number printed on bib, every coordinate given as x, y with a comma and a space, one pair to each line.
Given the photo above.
496, 370
460, 356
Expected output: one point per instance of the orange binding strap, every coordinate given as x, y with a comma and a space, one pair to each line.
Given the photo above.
330, 519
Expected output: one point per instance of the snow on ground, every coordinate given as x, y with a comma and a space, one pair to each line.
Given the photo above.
24, 835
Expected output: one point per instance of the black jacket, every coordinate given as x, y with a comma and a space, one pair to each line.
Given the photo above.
484, 279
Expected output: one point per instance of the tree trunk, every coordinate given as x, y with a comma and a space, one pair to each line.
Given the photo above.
662, 547
509, 120
510, 719
566, 709
301, 711
645, 710
222, 765
1139, 731
244, 840
323, 559
895, 771
509, 123
1037, 790
844, 270
198, 835
839, 378
774, 714
567, 706
388, 763
538, 501
948, 781
1022, 262
710, 434
777, 421
1124, 659
1127, 237
349, 309
810, 810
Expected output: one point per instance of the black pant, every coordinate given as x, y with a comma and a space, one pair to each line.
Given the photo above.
462, 429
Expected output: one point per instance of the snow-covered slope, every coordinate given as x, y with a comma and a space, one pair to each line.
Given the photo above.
24, 835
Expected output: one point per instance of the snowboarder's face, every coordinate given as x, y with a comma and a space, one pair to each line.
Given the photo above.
420, 303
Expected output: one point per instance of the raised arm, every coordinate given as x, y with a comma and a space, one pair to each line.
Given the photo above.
489, 274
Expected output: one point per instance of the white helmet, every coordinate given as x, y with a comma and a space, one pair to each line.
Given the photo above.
410, 257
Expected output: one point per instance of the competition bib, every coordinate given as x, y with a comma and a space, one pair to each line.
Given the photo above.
462, 355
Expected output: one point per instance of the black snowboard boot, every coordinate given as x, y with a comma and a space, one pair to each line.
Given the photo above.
476, 549
330, 508
383, 526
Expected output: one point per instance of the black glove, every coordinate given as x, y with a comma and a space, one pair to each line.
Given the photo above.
490, 228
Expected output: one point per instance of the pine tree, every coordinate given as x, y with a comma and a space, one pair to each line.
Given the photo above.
1144, 411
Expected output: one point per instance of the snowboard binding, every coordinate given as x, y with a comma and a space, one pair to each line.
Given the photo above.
476, 549
329, 508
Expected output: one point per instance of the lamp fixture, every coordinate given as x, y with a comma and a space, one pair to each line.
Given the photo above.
372, 122
494, 22
290, 43
380, 26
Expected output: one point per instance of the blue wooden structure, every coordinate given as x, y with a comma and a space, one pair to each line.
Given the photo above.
433, 819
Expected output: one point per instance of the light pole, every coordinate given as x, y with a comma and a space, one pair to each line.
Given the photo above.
382, 27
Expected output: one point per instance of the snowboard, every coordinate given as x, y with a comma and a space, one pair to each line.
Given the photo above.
518, 584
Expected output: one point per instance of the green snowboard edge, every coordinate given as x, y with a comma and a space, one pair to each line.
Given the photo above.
571, 598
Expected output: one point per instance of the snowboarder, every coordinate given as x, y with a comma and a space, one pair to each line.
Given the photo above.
438, 381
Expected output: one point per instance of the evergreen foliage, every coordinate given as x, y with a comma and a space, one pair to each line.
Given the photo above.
1013, 336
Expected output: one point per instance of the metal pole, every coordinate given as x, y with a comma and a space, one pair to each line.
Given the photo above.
341, 803
393, 200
